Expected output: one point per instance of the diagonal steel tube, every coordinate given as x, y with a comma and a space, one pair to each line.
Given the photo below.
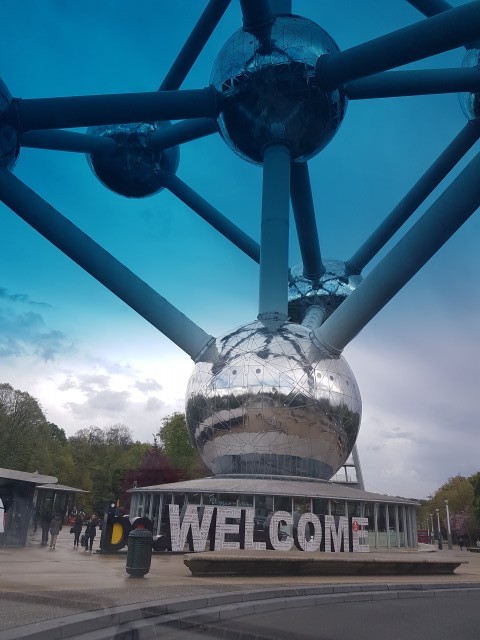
86, 111
456, 204
304, 214
211, 215
59, 140
442, 32
414, 198
180, 132
102, 265
412, 83
430, 7
194, 44
273, 295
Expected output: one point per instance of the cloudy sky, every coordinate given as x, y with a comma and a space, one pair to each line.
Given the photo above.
90, 360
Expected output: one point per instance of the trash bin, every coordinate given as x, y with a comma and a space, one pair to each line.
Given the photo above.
139, 554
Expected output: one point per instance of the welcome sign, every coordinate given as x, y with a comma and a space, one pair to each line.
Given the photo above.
221, 528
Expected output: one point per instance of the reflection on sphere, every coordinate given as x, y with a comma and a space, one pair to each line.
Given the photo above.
328, 292
9, 142
271, 403
270, 92
135, 169
470, 102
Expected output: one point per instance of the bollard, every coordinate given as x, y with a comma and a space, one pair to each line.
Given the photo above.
139, 554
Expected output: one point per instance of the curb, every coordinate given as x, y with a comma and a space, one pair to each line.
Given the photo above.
145, 620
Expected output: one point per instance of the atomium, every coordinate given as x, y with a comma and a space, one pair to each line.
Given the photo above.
274, 396
267, 81
136, 167
9, 138
272, 403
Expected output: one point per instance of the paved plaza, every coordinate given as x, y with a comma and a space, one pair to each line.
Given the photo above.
38, 584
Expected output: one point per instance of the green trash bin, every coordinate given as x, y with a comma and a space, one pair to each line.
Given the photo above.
139, 554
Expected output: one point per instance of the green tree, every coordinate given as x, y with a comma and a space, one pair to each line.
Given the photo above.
176, 443
460, 495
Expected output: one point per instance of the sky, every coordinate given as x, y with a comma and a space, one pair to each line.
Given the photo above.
91, 360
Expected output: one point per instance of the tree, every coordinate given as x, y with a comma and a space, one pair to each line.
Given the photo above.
176, 442
460, 495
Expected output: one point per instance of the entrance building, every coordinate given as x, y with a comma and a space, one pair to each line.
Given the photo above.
391, 520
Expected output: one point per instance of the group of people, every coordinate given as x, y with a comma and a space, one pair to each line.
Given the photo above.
88, 536
51, 526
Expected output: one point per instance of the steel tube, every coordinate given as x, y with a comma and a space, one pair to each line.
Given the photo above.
358, 468
413, 83
456, 204
211, 215
439, 33
304, 214
180, 132
314, 316
256, 14
430, 7
194, 44
86, 111
414, 198
273, 294
102, 265
281, 7
59, 140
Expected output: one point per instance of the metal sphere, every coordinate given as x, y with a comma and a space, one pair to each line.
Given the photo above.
9, 139
270, 93
271, 403
135, 169
328, 292
470, 102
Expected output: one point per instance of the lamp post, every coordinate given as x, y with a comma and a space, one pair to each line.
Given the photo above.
439, 532
431, 528
449, 532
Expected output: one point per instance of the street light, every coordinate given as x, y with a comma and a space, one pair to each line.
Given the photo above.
439, 532
431, 528
449, 533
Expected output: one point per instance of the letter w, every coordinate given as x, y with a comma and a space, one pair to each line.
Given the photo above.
191, 529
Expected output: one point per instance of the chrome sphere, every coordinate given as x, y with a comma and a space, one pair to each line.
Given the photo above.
272, 403
135, 169
9, 139
470, 102
328, 292
270, 92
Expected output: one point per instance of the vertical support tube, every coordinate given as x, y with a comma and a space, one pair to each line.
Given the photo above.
397, 525
273, 297
387, 524
375, 523
358, 468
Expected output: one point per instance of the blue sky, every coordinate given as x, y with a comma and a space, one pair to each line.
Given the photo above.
90, 360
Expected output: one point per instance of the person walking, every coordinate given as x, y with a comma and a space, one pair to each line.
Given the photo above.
90, 533
45, 524
55, 528
77, 530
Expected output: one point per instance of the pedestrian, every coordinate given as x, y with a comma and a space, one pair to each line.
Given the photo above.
55, 528
45, 524
461, 543
90, 533
77, 530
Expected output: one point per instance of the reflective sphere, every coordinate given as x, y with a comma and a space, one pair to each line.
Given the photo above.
470, 102
328, 293
9, 139
270, 92
272, 403
135, 169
